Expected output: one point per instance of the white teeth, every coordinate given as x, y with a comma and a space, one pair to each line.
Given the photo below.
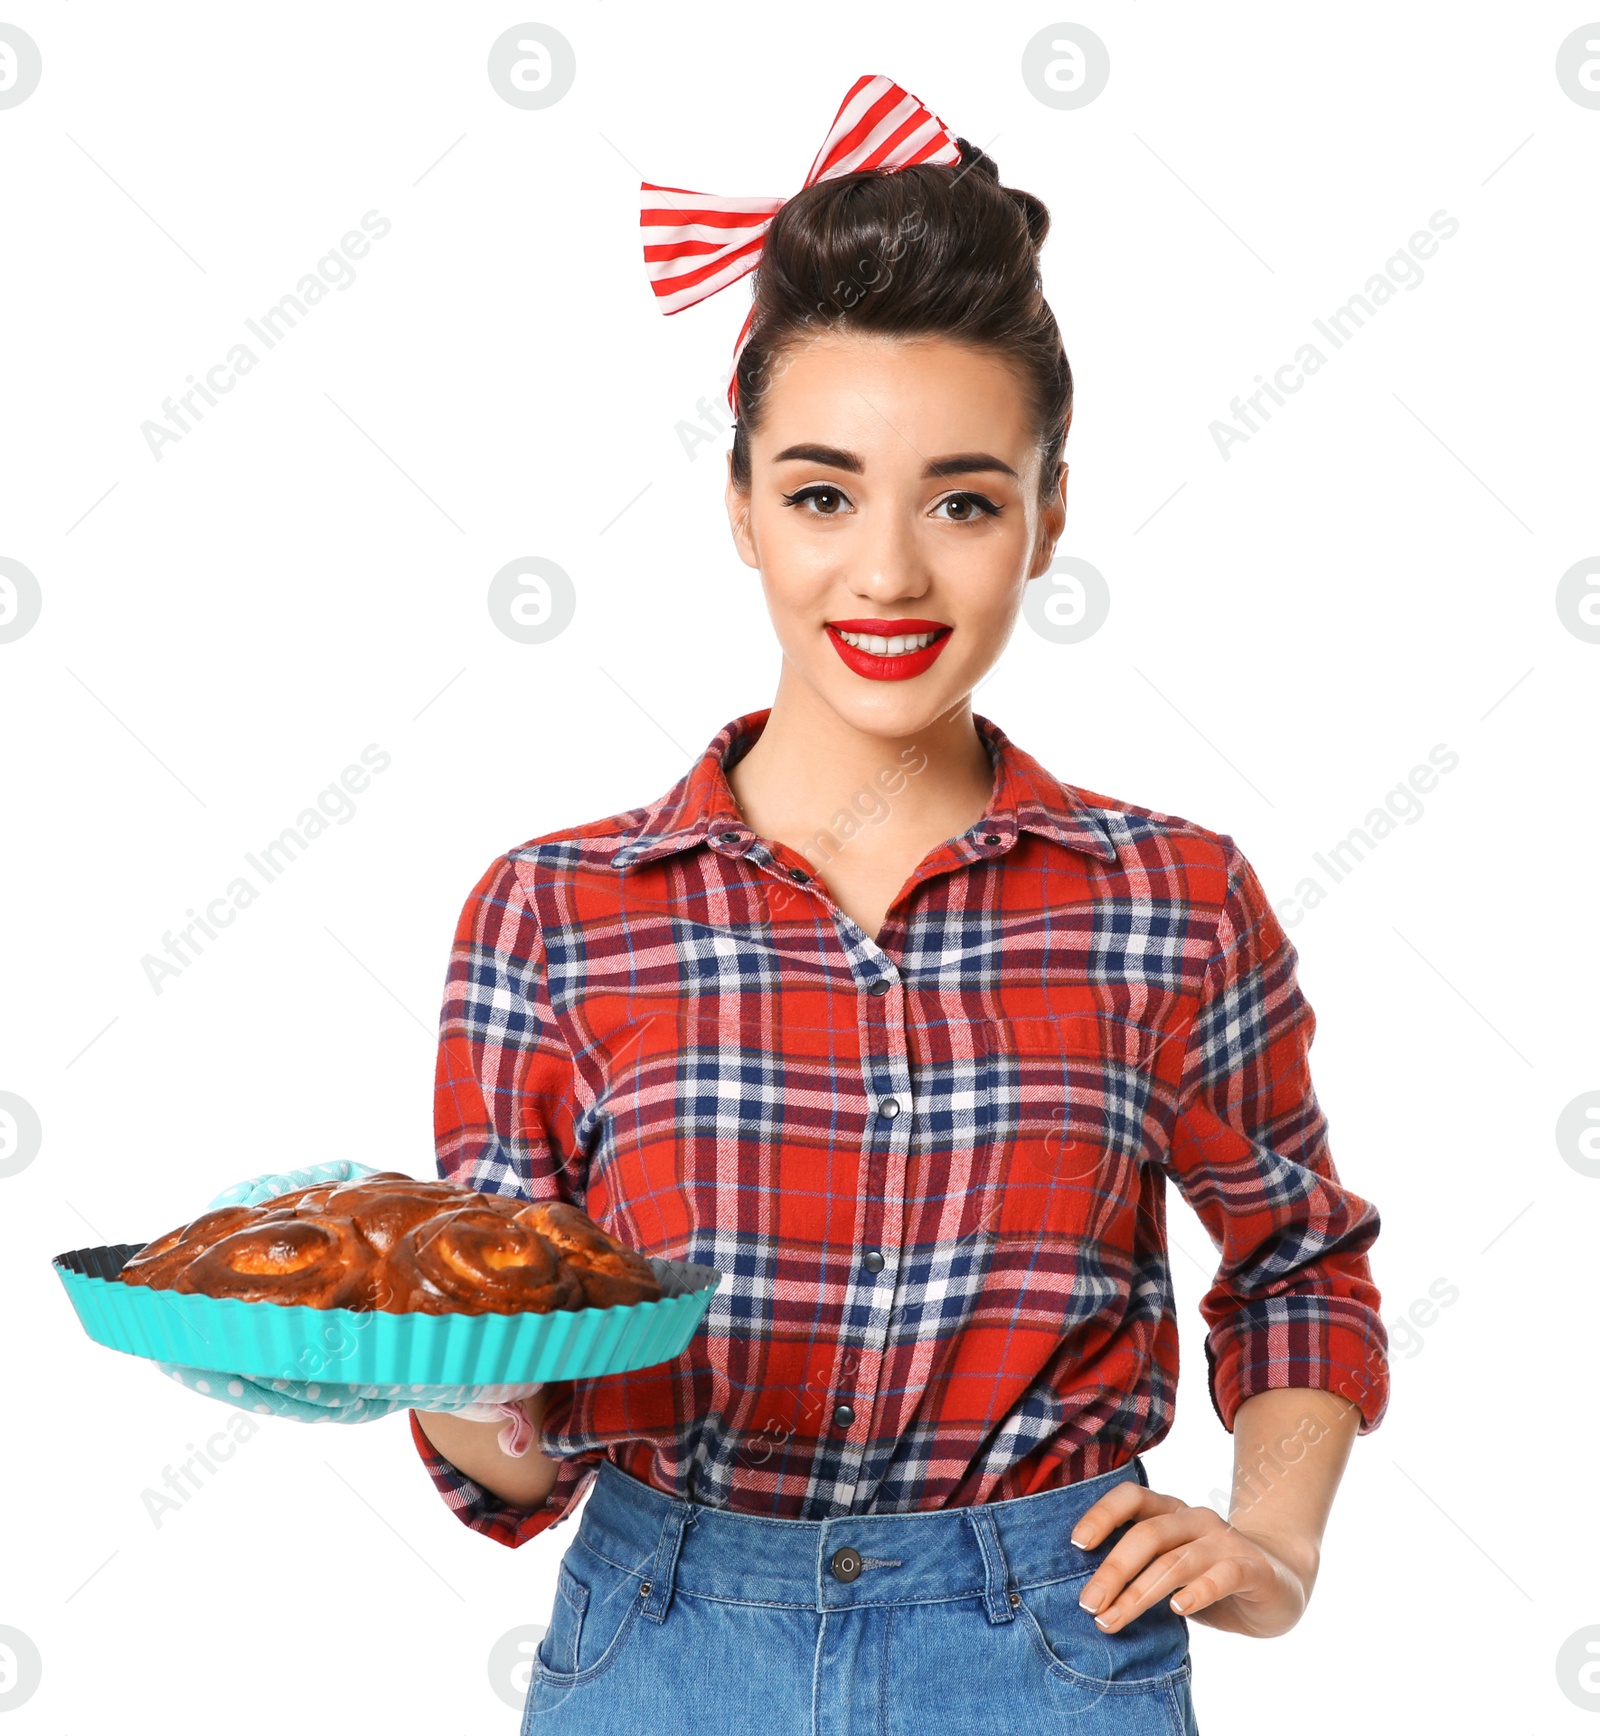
881, 647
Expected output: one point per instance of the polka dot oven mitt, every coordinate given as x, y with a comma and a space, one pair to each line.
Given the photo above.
314, 1401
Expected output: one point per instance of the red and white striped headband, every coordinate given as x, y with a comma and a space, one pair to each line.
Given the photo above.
698, 243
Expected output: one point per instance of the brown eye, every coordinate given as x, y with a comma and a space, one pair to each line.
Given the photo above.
825, 501
964, 508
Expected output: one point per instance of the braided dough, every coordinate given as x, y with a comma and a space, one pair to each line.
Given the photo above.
394, 1243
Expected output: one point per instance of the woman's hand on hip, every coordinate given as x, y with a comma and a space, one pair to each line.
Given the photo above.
1207, 1569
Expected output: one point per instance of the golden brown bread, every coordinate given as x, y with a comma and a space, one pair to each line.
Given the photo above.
316, 1261
480, 1260
611, 1273
156, 1262
393, 1243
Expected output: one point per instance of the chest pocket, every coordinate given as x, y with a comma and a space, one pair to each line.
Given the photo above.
692, 1089
1081, 1090
725, 1066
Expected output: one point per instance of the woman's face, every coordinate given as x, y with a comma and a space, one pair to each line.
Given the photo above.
894, 491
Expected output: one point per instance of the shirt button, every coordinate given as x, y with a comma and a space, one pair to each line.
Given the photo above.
873, 1261
843, 1415
730, 837
845, 1564
880, 987
991, 837
798, 874
889, 1108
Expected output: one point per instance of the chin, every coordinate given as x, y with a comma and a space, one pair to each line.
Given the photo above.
893, 710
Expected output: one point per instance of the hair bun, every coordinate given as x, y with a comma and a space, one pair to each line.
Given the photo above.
1034, 211
975, 157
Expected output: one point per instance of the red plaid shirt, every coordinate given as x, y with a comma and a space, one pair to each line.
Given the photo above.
931, 1166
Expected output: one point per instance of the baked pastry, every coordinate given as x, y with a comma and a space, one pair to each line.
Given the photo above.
316, 1261
393, 1243
157, 1262
478, 1259
612, 1274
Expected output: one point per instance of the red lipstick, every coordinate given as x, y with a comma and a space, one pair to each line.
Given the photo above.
885, 668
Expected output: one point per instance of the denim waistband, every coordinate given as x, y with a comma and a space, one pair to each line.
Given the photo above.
987, 1550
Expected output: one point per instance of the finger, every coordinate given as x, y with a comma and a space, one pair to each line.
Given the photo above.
1139, 1547
1222, 1579
1165, 1575
1116, 1507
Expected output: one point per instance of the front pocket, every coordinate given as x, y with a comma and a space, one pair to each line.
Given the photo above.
1150, 1653
596, 1607
558, 1651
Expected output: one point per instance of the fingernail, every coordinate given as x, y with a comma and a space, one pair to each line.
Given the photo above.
1089, 1601
1100, 1621
1081, 1543
1178, 1605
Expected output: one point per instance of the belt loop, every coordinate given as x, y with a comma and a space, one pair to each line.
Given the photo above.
996, 1572
665, 1571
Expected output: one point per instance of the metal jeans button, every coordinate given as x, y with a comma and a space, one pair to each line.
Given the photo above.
845, 1564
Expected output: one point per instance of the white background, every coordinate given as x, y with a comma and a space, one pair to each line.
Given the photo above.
1291, 630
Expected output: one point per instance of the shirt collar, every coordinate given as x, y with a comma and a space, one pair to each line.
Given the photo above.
700, 809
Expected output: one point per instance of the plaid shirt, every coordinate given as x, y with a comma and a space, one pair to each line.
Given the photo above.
931, 1166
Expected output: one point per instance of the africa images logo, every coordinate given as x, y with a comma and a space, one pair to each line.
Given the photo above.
1401, 270
334, 270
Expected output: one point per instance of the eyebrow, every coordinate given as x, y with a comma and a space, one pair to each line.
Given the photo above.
958, 464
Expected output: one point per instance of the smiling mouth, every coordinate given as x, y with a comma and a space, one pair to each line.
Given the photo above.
888, 650
895, 645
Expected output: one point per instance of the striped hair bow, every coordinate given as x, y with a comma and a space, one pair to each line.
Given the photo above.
698, 243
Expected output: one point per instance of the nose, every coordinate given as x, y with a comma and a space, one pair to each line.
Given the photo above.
888, 563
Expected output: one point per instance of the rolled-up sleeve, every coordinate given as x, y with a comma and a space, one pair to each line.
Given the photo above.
475, 1507
1293, 1303
504, 1105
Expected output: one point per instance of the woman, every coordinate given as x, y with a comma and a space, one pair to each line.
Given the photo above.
906, 1037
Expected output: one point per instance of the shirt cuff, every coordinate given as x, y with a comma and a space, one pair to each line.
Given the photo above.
1331, 1343
476, 1507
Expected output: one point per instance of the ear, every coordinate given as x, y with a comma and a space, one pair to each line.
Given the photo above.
1052, 521
738, 504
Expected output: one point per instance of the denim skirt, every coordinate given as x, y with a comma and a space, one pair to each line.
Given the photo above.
676, 1619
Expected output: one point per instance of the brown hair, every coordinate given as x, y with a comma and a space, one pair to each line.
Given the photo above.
932, 250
